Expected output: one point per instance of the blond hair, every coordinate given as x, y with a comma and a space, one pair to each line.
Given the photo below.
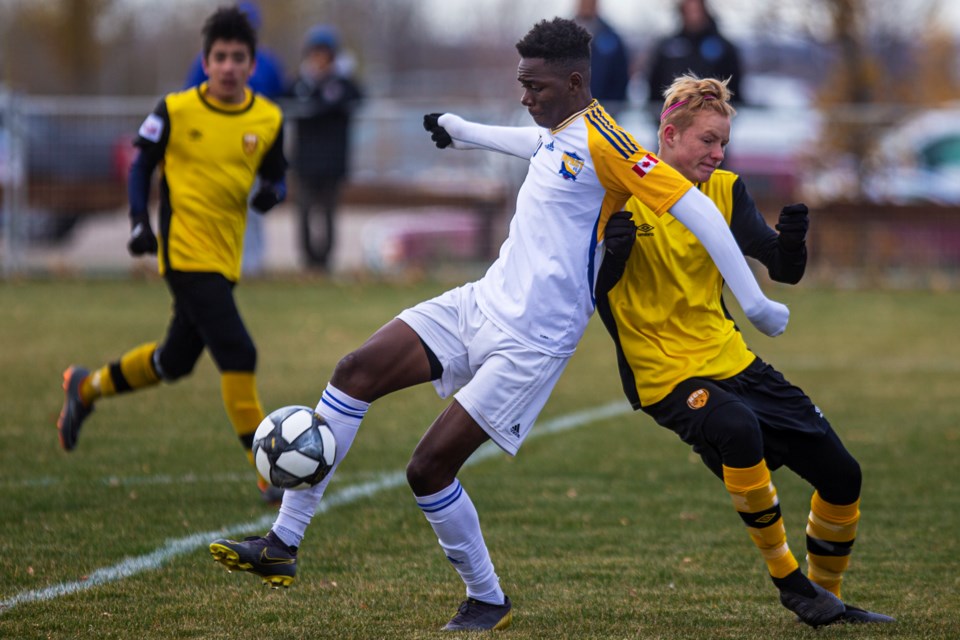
688, 95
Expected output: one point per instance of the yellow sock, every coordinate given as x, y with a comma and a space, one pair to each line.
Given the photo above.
243, 405
755, 499
831, 531
133, 371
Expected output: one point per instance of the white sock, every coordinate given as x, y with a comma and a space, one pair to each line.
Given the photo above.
343, 415
455, 521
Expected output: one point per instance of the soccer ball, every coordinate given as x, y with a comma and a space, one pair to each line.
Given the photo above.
294, 448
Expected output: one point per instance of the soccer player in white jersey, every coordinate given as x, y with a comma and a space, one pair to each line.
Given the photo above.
499, 344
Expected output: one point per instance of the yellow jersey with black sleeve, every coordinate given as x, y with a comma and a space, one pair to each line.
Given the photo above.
211, 154
666, 313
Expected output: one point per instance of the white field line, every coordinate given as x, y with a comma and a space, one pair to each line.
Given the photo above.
352, 493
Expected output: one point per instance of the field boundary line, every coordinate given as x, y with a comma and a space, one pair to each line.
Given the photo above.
349, 494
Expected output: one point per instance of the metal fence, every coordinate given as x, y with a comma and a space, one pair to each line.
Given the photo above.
64, 161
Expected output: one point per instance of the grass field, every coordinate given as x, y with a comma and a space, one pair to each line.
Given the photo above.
603, 526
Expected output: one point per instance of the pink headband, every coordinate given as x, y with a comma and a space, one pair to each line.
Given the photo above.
666, 112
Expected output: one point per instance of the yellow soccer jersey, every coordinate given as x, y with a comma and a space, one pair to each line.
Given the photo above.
670, 321
540, 289
211, 154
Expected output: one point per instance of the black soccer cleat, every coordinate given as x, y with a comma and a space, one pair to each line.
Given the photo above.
856, 615
74, 412
474, 615
267, 557
824, 608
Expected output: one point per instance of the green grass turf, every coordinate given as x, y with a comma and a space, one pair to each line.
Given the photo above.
610, 530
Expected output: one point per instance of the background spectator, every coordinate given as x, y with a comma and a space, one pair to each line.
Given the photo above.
324, 99
610, 59
698, 48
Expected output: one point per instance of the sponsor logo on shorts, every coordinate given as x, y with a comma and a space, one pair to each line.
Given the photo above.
515, 430
698, 399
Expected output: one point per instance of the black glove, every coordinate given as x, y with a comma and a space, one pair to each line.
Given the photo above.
437, 133
269, 195
142, 241
619, 236
793, 224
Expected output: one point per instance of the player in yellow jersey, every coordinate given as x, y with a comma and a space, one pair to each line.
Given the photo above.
684, 362
213, 141
499, 344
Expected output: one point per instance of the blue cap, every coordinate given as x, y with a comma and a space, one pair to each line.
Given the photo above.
322, 35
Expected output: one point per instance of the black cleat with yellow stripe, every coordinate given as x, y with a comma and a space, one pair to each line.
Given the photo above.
267, 557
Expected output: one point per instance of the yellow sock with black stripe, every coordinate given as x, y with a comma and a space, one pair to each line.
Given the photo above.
243, 406
831, 531
755, 499
133, 371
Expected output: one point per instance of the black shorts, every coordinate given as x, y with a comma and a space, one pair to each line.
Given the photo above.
783, 410
205, 314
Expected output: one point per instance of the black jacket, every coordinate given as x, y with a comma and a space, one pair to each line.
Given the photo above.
707, 54
322, 112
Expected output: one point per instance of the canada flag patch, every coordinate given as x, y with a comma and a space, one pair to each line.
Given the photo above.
646, 165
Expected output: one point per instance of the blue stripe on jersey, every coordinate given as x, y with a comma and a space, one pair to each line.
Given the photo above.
590, 262
341, 407
442, 503
612, 136
625, 138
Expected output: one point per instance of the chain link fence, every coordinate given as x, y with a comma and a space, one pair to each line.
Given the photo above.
64, 161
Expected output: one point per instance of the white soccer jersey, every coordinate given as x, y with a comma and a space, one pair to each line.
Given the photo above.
540, 288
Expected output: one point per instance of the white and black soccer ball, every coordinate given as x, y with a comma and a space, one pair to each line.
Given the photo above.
294, 448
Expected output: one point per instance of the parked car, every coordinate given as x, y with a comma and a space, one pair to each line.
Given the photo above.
918, 161
75, 157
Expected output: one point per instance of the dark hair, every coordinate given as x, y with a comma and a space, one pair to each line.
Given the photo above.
229, 23
559, 41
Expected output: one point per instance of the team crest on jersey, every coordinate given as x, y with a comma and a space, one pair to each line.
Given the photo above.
698, 399
570, 165
250, 141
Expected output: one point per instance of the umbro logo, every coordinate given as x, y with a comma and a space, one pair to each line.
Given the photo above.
645, 229
515, 430
766, 518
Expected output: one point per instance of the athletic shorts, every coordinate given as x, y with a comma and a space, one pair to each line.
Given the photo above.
786, 414
205, 314
502, 383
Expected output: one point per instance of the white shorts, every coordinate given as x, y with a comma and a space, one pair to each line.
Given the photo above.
502, 384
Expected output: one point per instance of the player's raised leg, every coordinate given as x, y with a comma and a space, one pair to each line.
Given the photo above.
392, 359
